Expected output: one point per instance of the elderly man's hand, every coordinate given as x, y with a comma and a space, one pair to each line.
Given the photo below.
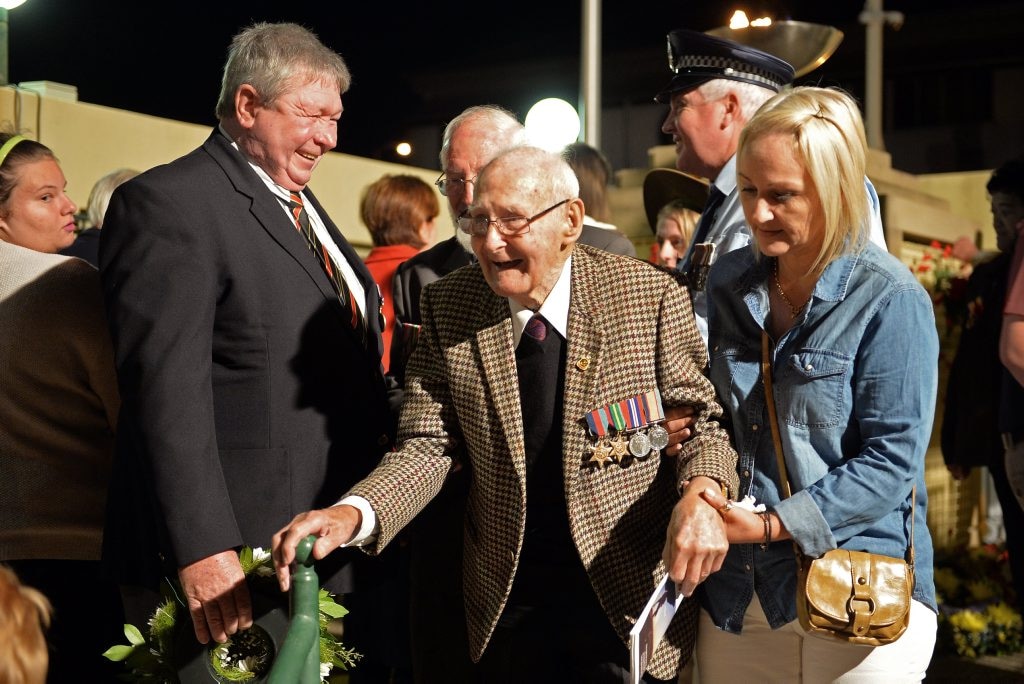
679, 421
332, 526
217, 596
696, 542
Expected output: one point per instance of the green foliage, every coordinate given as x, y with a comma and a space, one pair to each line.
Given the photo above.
149, 657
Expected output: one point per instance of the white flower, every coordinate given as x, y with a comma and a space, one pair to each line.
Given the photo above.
247, 664
261, 562
748, 505
325, 671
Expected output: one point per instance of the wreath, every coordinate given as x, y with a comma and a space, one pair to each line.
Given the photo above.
157, 655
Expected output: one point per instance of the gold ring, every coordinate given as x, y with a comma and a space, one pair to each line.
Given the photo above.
726, 508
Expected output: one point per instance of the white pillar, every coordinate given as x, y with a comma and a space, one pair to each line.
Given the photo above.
875, 19
590, 73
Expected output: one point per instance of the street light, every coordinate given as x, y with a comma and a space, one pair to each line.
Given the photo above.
804, 45
4, 6
552, 124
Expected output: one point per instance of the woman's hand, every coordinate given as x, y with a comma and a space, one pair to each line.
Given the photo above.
743, 526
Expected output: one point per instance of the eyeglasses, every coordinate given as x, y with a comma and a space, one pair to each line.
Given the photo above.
447, 185
477, 226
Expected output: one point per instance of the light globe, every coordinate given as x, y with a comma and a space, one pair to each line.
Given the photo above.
552, 124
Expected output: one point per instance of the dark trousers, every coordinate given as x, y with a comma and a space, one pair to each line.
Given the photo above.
87, 617
566, 640
1013, 524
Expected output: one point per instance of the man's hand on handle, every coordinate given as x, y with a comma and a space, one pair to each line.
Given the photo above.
331, 526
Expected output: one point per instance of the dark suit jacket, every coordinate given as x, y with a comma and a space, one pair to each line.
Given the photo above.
86, 246
462, 399
247, 398
609, 240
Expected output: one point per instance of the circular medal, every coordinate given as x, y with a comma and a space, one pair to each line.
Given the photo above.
658, 437
639, 444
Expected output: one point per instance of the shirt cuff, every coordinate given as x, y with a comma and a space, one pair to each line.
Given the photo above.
368, 529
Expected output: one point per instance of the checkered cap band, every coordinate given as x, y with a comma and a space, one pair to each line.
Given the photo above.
723, 67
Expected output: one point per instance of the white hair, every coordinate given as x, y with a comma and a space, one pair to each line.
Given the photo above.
749, 95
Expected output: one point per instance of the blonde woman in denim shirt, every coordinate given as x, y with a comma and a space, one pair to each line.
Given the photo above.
854, 358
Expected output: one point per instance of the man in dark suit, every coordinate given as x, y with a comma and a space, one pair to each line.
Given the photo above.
247, 336
562, 547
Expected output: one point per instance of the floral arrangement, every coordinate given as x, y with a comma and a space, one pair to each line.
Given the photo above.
944, 277
976, 598
247, 656
938, 271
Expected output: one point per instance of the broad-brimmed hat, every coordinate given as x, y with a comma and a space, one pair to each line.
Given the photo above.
697, 58
662, 186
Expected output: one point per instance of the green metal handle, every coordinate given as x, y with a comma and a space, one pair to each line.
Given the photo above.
299, 658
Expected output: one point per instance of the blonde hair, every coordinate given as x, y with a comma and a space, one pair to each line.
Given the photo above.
684, 217
24, 613
828, 138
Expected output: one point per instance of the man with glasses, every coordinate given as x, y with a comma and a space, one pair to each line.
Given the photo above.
470, 140
563, 545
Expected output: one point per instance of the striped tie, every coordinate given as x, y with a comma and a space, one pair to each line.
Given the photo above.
303, 225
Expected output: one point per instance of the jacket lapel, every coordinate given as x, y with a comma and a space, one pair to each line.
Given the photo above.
497, 356
582, 362
265, 208
268, 211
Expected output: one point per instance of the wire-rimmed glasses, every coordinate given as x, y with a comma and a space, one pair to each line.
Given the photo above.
508, 226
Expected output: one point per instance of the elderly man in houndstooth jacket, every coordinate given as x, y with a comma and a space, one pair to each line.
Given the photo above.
562, 545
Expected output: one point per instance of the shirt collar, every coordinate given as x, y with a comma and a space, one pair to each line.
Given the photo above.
726, 179
279, 191
555, 307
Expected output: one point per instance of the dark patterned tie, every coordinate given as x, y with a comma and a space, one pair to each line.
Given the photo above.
303, 225
536, 328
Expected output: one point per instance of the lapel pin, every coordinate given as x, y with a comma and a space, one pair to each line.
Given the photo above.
583, 364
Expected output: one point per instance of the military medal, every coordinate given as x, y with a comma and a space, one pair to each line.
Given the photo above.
620, 447
655, 413
601, 449
639, 443
600, 453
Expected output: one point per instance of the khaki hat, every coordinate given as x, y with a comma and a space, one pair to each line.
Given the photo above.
662, 186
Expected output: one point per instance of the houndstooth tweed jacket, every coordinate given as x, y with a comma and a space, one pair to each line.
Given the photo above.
630, 330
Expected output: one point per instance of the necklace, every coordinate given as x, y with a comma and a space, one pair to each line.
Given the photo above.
794, 311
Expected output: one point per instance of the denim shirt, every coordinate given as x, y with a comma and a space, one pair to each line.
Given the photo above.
854, 381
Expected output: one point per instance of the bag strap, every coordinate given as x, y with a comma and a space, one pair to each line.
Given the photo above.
780, 457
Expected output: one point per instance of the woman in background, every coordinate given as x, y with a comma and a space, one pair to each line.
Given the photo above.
400, 212
58, 413
676, 224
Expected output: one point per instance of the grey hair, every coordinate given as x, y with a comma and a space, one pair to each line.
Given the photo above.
749, 95
99, 196
505, 129
269, 57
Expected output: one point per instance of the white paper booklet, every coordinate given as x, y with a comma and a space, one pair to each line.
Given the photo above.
650, 628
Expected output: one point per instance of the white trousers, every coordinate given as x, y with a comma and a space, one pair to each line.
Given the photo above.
788, 654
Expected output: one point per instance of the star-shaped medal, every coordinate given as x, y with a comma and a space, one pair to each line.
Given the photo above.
620, 447
600, 453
